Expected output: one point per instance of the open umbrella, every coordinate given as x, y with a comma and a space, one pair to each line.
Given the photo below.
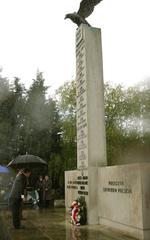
27, 161
4, 169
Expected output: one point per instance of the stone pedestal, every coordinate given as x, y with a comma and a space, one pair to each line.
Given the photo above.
91, 140
124, 199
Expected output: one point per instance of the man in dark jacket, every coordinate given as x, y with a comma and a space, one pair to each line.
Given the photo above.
16, 195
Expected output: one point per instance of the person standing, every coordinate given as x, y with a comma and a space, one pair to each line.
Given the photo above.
47, 186
17, 195
39, 186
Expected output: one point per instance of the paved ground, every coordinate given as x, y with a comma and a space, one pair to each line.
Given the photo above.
54, 225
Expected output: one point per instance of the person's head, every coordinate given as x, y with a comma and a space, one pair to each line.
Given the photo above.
40, 177
46, 177
27, 172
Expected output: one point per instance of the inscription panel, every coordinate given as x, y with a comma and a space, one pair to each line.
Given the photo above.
79, 36
82, 132
80, 185
117, 187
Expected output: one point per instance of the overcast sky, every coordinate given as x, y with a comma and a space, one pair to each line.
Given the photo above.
34, 35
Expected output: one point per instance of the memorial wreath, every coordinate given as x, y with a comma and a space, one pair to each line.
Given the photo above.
78, 211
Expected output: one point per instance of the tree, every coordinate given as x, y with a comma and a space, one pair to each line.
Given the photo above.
66, 98
17, 115
127, 121
41, 119
116, 112
126, 111
11, 119
5, 106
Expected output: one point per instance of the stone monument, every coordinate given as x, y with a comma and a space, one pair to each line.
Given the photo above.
116, 196
91, 140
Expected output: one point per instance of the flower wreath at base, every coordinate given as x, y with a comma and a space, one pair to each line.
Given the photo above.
78, 211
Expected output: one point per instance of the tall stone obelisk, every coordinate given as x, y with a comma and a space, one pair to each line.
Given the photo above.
91, 139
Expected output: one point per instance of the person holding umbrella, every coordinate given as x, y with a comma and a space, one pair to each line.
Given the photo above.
17, 195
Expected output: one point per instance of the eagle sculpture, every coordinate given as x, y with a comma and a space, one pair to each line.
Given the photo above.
85, 10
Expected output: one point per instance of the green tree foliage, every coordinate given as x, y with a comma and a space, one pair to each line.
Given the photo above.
127, 120
66, 98
5, 106
16, 117
41, 127
41, 121
126, 112
29, 123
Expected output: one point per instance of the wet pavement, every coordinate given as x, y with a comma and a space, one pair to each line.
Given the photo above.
53, 224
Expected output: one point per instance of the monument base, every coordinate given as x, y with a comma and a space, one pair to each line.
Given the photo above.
117, 196
142, 234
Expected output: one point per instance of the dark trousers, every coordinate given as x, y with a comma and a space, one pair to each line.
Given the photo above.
40, 199
46, 203
16, 209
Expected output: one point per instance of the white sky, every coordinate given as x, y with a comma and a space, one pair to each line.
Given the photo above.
35, 35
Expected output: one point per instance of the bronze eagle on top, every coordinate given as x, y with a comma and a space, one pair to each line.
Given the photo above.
85, 10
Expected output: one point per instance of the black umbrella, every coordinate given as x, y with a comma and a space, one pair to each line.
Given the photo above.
27, 161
